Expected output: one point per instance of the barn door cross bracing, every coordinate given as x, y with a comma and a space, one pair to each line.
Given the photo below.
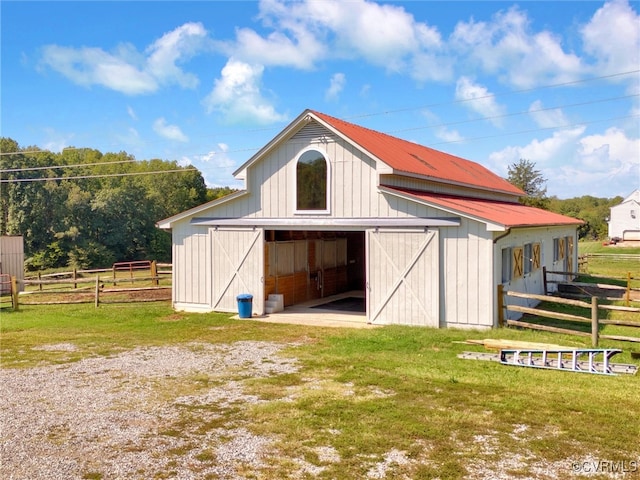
403, 277
238, 267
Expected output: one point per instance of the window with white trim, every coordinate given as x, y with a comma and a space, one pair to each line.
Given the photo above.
312, 182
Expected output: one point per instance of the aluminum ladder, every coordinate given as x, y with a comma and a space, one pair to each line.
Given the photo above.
597, 361
575, 360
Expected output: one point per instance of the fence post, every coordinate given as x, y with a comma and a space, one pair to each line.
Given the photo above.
594, 321
14, 294
154, 273
39, 279
628, 295
97, 302
500, 305
75, 277
544, 279
114, 274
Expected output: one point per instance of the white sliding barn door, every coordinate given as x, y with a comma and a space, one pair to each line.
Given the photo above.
403, 277
237, 267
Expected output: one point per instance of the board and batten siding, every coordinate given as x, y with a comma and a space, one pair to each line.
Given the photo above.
191, 268
466, 265
403, 277
238, 267
467, 276
12, 257
271, 182
533, 281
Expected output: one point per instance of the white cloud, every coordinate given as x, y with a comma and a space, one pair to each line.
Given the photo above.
277, 49
93, 66
173, 47
337, 83
125, 70
132, 113
611, 153
237, 94
56, 141
305, 33
219, 158
441, 132
547, 118
544, 153
612, 37
452, 136
479, 99
602, 165
507, 46
171, 132
216, 166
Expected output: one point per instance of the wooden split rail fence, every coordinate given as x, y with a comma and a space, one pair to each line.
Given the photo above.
69, 282
594, 307
9, 286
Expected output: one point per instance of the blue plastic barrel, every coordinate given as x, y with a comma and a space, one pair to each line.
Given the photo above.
245, 304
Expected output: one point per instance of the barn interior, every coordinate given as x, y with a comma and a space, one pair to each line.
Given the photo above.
312, 265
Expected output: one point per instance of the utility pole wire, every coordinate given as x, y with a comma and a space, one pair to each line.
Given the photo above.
78, 177
386, 112
29, 169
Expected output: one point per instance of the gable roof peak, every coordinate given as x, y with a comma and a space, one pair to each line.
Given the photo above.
408, 158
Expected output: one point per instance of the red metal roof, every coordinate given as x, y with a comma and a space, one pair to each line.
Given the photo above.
409, 157
502, 213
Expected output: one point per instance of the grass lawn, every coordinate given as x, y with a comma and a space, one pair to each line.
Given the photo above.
394, 397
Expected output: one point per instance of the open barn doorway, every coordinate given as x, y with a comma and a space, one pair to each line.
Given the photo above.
324, 270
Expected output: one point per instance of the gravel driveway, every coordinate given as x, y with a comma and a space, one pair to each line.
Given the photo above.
156, 412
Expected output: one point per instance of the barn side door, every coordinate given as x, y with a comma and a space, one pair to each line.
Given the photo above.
237, 267
403, 277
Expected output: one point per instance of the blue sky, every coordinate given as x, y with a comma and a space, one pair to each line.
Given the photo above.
208, 83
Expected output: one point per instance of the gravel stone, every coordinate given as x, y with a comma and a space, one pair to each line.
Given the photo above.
107, 416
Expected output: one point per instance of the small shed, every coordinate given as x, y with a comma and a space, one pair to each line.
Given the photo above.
331, 207
624, 220
12, 257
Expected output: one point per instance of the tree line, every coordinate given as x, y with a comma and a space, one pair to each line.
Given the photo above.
82, 208
592, 210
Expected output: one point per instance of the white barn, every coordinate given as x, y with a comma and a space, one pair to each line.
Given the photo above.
331, 207
624, 220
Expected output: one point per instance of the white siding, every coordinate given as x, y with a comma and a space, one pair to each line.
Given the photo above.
452, 283
238, 267
533, 282
191, 268
271, 182
12, 257
403, 277
467, 259
625, 220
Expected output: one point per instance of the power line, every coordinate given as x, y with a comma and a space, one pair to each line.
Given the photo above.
538, 129
29, 169
439, 125
523, 112
494, 95
386, 112
78, 177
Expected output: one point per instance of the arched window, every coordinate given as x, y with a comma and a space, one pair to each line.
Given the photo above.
312, 173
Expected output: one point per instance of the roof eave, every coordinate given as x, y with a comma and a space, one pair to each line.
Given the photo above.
491, 226
168, 223
457, 184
